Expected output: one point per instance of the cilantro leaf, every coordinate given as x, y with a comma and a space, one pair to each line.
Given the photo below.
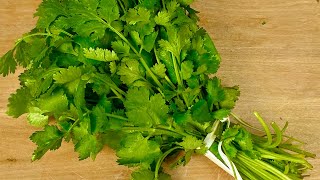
88, 146
7, 63
186, 69
69, 77
36, 118
130, 71
100, 54
190, 143
143, 110
215, 92
19, 102
48, 11
159, 70
137, 150
109, 10
48, 139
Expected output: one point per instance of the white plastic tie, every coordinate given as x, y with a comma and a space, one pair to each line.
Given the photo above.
227, 166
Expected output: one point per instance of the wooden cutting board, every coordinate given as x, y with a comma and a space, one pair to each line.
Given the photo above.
270, 48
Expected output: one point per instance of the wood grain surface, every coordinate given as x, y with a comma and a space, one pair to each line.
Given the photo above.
270, 48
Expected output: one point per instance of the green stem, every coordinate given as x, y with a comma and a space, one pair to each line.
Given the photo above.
297, 150
31, 35
278, 135
117, 94
116, 116
154, 130
266, 129
122, 7
156, 172
112, 85
270, 155
176, 70
255, 168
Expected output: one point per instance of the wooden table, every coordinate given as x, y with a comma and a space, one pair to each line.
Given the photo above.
270, 48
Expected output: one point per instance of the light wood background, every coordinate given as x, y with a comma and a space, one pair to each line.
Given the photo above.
270, 48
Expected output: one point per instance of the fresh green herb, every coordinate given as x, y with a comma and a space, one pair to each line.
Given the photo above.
134, 75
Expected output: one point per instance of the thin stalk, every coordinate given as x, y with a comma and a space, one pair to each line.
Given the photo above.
31, 35
244, 123
176, 70
156, 172
297, 150
122, 7
116, 116
115, 87
270, 155
117, 94
266, 129
278, 135
154, 130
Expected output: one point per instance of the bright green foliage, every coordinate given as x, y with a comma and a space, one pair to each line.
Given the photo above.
144, 110
130, 71
138, 150
48, 139
134, 75
191, 143
100, 54
36, 118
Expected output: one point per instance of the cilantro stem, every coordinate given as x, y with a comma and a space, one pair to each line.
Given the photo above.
154, 130
163, 4
31, 35
156, 172
117, 94
297, 150
266, 129
116, 116
112, 85
122, 7
270, 155
176, 70
278, 135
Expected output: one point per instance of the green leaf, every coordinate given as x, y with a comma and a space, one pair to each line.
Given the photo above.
48, 139
190, 143
186, 69
88, 146
48, 11
159, 70
149, 41
130, 71
19, 102
200, 111
56, 103
143, 174
99, 54
69, 78
7, 63
138, 150
121, 47
137, 15
215, 92
109, 10
163, 18
145, 111
36, 118
231, 96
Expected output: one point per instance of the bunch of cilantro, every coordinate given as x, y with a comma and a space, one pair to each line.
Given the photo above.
134, 75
